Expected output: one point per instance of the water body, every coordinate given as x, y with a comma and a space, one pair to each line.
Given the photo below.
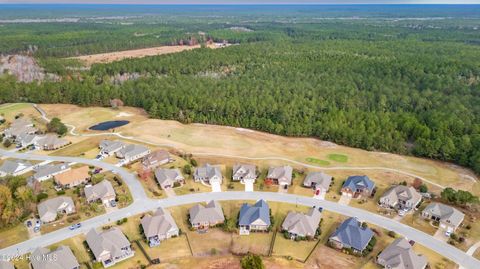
107, 125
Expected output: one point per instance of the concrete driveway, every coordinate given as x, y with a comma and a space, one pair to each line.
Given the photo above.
249, 185
170, 192
344, 200
216, 187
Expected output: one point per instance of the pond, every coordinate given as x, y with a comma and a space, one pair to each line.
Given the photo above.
107, 125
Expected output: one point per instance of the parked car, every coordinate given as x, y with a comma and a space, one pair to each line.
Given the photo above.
317, 192
78, 225
36, 229
113, 203
72, 227
29, 223
38, 223
285, 187
448, 233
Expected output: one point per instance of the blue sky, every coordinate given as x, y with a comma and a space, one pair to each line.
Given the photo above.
245, 1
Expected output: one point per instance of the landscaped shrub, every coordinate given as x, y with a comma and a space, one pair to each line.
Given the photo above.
41, 196
61, 192
252, 261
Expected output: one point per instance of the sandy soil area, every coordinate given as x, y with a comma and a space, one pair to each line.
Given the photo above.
137, 53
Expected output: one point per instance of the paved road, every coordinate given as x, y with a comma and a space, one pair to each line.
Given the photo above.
134, 185
143, 204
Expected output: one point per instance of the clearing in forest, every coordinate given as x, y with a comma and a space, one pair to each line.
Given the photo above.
137, 53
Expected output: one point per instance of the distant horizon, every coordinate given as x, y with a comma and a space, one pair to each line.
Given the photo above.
239, 2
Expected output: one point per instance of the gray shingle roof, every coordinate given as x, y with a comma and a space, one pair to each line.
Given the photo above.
50, 169
109, 146
302, 224
401, 193
61, 258
11, 166
400, 255
110, 241
48, 209
320, 179
208, 171
250, 214
245, 171
167, 176
103, 189
351, 234
156, 157
212, 213
282, 173
356, 183
131, 150
159, 224
51, 141
445, 213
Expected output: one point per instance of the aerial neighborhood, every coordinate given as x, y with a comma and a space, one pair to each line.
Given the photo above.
71, 192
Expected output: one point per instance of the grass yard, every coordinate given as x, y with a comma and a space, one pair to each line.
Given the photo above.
169, 249
87, 148
13, 235
258, 243
340, 158
9, 111
416, 221
435, 260
290, 248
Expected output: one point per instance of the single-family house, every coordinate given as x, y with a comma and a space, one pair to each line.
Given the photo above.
302, 225
318, 181
254, 217
401, 198
103, 191
358, 186
60, 258
15, 167
281, 175
18, 127
244, 173
109, 147
156, 158
132, 152
6, 265
48, 210
159, 227
47, 171
208, 174
166, 178
73, 177
448, 217
109, 246
26, 139
51, 142
400, 255
351, 235
202, 217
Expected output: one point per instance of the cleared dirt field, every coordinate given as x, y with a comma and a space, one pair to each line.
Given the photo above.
202, 139
138, 53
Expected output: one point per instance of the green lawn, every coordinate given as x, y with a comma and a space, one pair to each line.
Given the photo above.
317, 161
338, 157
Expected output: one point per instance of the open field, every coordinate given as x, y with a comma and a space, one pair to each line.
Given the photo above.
201, 139
137, 53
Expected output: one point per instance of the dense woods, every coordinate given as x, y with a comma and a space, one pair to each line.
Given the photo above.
405, 87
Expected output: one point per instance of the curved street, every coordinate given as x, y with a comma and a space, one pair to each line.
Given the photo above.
143, 204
